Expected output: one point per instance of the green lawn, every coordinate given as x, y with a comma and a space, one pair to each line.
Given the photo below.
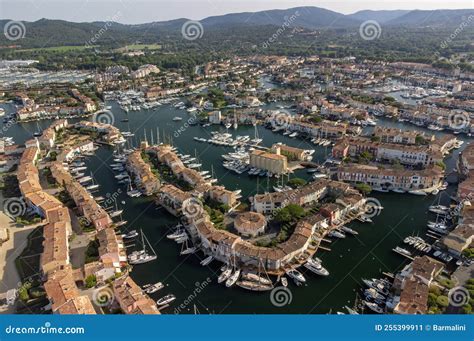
138, 47
59, 48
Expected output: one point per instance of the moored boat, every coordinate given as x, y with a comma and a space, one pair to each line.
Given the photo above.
166, 299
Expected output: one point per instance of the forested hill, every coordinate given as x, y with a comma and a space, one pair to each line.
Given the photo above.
45, 32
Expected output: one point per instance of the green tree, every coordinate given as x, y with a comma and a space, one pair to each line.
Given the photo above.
297, 182
363, 188
442, 301
289, 213
420, 139
91, 281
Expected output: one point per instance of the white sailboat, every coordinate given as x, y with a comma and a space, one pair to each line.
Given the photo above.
256, 139
233, 278
142, 256
224, 276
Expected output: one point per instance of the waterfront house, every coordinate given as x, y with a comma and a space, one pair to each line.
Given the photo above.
56, 241
111, 249
390, 178
250, 224
63, 294
274, 163
413, 298
172, 198
222, 195
144, 178
459, 239
131, 298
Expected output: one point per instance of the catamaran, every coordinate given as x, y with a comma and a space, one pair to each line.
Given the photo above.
142, 256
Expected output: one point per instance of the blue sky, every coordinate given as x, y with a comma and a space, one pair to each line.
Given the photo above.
140, 11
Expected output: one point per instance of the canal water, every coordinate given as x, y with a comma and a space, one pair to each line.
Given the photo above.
351, 259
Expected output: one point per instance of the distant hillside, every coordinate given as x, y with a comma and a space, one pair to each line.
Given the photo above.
46, 32
380, 16
308, 17
432, 18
